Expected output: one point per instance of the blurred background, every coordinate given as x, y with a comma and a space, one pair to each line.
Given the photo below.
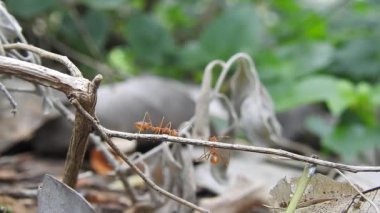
319, 60
306, 52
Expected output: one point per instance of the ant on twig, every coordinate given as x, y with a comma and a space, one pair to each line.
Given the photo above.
214, 154
148, 125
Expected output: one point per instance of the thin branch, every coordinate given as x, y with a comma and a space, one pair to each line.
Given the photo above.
116, 166
74, 71
10, 98
240, 147
106, 138
360, 192
42, 75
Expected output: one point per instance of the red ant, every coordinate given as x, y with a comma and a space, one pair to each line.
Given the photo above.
143, 126
214, 153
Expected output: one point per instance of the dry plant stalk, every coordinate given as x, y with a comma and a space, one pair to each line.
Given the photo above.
81, 132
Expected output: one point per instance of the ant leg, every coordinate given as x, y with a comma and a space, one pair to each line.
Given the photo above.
204, 156
141, 127
159, 129
142, 123
169, 125
148, 119
167, 129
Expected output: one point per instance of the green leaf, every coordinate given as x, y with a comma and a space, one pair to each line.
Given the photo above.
338, 94
192, 56
343, 98
359, 59
105, 5
69, 33
121, 59
349, 140
319, 126
98, 25
346, 139
364, 105
174, 15
303, 58
375, 96
149, 41
237, 29
314, 89
30, 8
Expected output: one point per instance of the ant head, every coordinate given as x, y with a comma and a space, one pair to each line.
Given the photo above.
213, 139
174, 133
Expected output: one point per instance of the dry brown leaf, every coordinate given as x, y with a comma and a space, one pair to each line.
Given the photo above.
99, 163
340, 204
321, 195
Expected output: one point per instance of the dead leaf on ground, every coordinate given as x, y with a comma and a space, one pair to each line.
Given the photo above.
323, 194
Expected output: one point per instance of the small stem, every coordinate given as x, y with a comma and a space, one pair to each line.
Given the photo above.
308, 172
10, 98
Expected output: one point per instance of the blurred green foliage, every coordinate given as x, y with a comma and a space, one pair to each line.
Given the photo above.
305, 52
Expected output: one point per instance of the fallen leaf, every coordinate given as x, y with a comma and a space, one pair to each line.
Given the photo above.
322, 194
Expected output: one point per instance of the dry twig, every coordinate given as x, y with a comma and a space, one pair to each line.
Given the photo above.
240, 147
74, 71
10, 98
359, 192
